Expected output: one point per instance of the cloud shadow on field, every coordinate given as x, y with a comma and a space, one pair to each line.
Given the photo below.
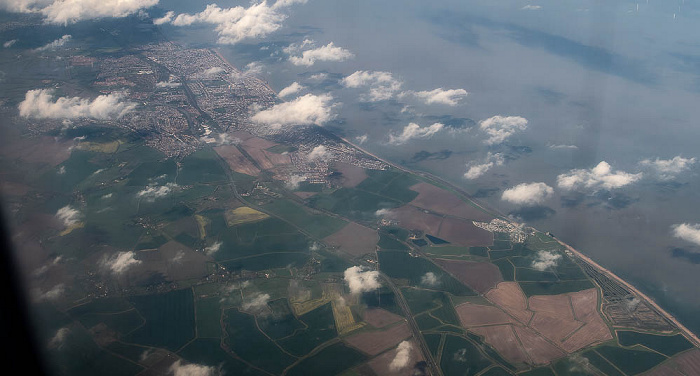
485, 192
533, 213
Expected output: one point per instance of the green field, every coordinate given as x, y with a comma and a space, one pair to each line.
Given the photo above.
123, 322
200, 167
399, 264
433, 342
630, 361
208, 317
270, 235
460, 357
387, 242
667, 345
281, 322
320, 328
244, 339
267, 261
332, 360
169, 319
317, 225
600, 363
390, 183
353, 203
555, 288
80, 355
208, 352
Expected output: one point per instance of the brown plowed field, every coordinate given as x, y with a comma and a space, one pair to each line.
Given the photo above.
480, 276
415, 219
503, 339
256, 146
663, 370
555, 305
511, 298
375, 342
463, 232
592, 332
354, 239
554, 327
236, 161
471, 315
352, 175
688, 362
439, 200
585, 305
379, 318
305, 195
380, 364
540, 351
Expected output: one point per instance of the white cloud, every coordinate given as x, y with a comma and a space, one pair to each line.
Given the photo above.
531, 7
305, 110
10, 43
254, 68
236, 24
545, 260
362, 139
499, 128
55, 44
256, 302
167, 18
668, 169
689, 232
412, 131
179, 369
59, 338
599, 177
120, 262
382, 85
153, 192
168, 84
319, 153
319, 76
477, 169
359, 280
562, 147
450, 97
528, 193
212, 249
403, 356
40, 104
52, 294
212, 72
294, 181
308, 57
384, 213
429, 279
68, 215
294, 88
71, 11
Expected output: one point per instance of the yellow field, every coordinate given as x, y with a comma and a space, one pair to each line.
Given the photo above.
106, 147
202, 222
344, 320
242, 215
70, 228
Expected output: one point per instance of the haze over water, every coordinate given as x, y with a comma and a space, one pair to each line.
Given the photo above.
620, 85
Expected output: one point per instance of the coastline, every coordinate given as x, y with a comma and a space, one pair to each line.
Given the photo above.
687, 333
